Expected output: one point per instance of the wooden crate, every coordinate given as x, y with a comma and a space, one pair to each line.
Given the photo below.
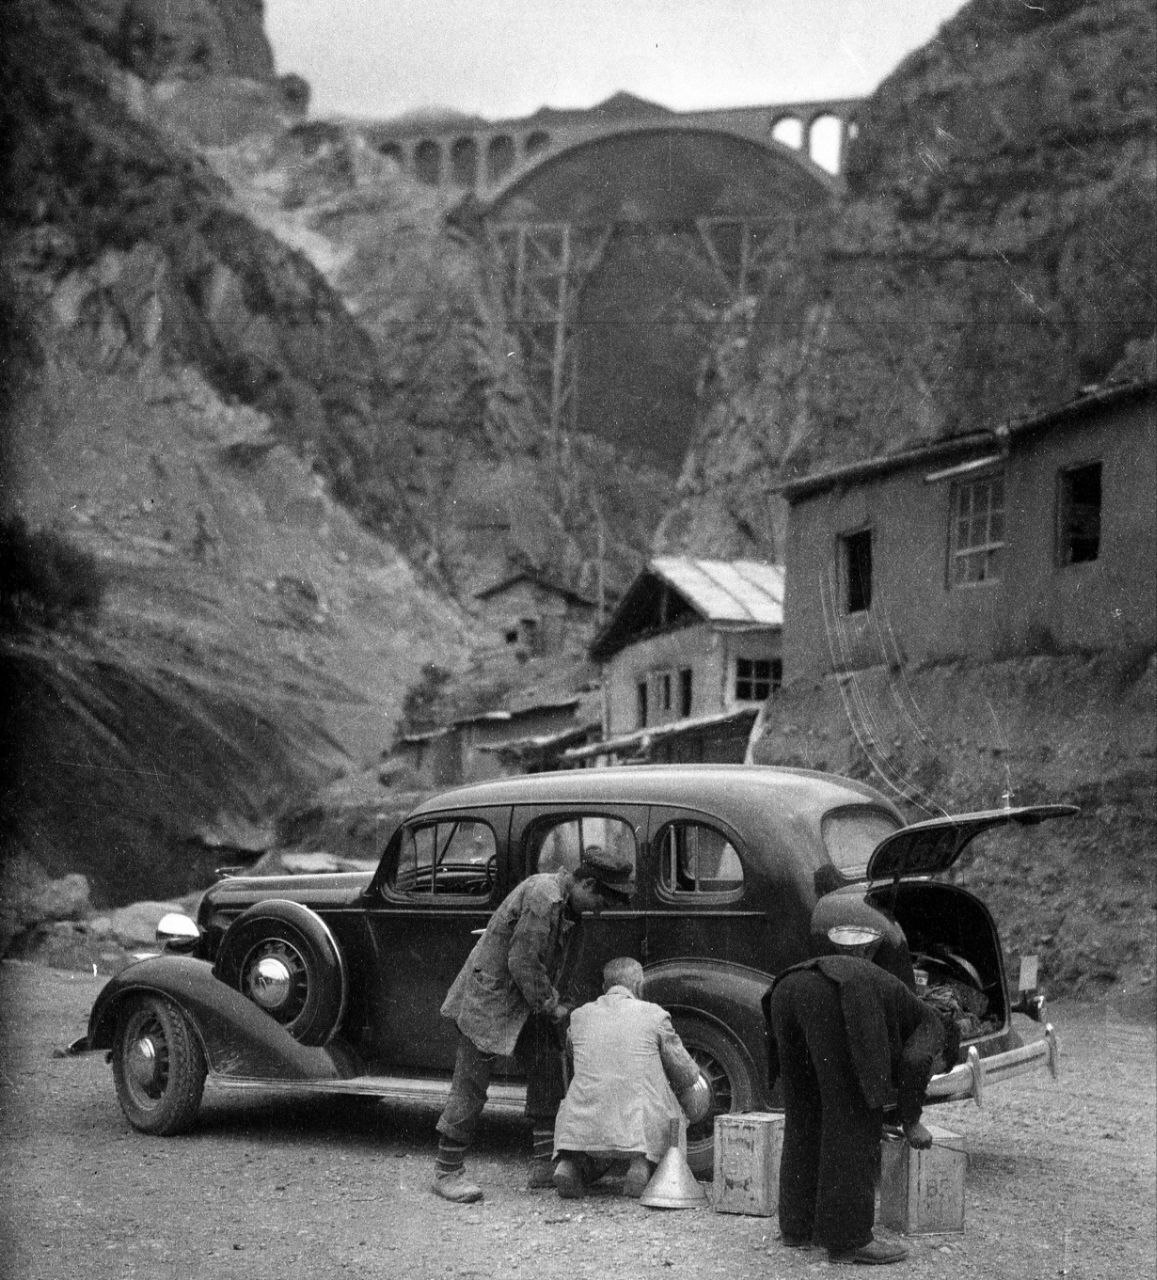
747, 1153
922, 1192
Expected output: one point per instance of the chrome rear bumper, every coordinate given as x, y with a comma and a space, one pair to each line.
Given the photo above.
970, 1078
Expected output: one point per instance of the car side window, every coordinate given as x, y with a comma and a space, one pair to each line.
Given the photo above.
453, 857
559, 845
696, 859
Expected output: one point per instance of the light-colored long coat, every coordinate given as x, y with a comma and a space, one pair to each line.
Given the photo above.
512, 970
627, 1059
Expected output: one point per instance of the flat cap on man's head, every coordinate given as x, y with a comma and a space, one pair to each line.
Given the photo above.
612, 871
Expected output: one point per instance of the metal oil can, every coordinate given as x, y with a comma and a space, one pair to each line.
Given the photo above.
922, 1192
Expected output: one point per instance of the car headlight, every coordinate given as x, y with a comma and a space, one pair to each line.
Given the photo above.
176, 932
853, 935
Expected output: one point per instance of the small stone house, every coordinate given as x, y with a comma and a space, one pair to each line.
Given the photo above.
1036, 536
687, 657
533, 616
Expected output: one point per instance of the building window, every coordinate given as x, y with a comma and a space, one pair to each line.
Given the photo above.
856, 570
655, 697
755, 678
530, 634
1079, 514
685, 692
977, 539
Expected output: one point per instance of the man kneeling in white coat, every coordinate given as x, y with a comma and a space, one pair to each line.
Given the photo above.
629, 1065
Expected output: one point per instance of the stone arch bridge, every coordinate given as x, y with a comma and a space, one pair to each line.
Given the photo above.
488, 158
565, 198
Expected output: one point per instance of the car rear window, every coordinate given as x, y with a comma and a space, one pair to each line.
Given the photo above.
851, 834
696, 859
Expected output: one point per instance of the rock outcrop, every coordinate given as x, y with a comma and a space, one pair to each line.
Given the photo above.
993, 255
255, 375
184, 394
184, 39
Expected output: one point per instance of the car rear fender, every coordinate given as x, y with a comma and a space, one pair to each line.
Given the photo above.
239, 1040
725, 995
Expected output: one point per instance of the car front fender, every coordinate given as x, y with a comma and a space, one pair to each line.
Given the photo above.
240, 1041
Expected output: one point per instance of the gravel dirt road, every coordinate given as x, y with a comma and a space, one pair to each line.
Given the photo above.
1060, 1183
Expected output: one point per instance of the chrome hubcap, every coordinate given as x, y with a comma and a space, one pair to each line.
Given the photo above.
142, 1063
720, 1086
270, 982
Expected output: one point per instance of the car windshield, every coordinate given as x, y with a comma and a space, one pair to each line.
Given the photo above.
851, 834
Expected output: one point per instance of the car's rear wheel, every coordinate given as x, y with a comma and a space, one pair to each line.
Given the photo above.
729, 1073
158, 1066
284, 958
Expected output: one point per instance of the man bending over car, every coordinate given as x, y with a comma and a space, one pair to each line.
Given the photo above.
844, 1034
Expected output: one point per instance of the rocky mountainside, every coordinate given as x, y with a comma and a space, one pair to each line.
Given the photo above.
183, 394
483, 485
258, 379
259, 396
995, 252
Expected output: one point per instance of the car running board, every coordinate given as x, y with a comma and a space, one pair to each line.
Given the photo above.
501, 1097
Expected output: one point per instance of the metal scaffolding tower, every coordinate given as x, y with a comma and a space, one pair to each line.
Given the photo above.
545, 265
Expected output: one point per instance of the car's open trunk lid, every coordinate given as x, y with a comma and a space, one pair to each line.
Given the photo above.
926, 848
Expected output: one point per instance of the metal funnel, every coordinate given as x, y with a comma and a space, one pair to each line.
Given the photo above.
673, 1185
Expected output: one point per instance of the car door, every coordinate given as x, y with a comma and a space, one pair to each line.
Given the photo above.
706, 892
550, 837
442, 876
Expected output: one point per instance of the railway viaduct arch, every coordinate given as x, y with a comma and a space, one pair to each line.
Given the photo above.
623, 233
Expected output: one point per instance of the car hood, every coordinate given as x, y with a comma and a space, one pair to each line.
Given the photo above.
925, 848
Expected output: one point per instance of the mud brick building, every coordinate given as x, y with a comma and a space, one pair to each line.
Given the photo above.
1038, 536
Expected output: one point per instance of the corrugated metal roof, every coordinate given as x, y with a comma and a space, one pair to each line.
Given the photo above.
727, 591
657, 732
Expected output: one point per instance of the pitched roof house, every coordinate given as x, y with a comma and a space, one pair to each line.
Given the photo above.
688, 656
531, 614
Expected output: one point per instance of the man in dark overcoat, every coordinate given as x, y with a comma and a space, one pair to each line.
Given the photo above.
505, 1001
847, 1038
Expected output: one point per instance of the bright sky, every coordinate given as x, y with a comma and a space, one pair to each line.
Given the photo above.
500, 58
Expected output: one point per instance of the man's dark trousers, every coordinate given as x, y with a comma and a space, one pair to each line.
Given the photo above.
538, 1051
831, 1143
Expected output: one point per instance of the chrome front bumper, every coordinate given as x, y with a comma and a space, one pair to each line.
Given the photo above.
970, 1078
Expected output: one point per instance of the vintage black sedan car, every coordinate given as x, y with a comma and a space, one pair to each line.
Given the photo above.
333, 982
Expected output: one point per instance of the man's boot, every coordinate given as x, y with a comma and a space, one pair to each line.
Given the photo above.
450, 1180
638, 1175
568, 1179
874, 1253
541, 1174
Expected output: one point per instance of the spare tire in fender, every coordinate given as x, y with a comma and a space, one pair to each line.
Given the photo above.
283, 957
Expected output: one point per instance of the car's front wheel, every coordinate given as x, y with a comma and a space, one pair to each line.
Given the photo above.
158, 1066
729, 1073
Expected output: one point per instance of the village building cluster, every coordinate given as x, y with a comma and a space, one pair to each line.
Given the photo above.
1037, 536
